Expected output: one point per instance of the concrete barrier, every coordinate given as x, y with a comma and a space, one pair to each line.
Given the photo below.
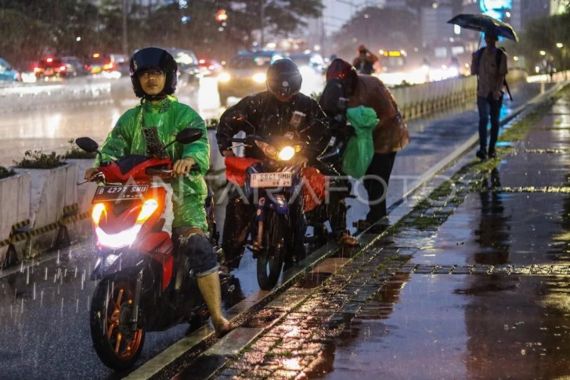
427, 98
15, 201
52, 191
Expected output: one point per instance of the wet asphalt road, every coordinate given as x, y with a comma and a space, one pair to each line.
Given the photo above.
431, 326
44, 329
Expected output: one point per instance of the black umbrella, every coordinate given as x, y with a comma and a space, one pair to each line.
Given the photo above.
484, 23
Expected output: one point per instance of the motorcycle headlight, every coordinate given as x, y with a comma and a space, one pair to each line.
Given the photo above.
267, 149
286, 153
148, 208
259, 78
97, 212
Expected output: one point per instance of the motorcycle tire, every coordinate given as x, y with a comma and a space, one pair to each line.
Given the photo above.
270, 260
111, 308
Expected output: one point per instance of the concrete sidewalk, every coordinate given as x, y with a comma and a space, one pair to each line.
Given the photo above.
472, 284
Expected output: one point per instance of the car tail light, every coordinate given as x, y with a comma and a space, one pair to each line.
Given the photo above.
108, 66
62, 68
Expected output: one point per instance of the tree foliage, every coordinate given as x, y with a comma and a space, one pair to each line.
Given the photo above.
31, 28
543, 35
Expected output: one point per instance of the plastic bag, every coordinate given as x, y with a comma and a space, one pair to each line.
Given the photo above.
360, 148
314, 188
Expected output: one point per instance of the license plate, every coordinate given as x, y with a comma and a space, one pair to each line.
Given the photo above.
107, 193
280, 179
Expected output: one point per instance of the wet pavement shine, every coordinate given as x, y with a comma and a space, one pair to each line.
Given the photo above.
462, 289
481, 326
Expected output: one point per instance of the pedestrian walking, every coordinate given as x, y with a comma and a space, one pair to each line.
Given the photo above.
365, 61
490, 65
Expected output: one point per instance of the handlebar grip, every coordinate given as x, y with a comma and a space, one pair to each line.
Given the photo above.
159, 172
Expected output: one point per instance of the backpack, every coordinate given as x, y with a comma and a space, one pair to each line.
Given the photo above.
498, 55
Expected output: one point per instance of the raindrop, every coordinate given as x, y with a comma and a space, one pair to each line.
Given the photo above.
61, 308
77, 306
41, 298
83, 281
22, 267
65, 273
57, 261
69, 254
22, 307
34, 292
28, 276
55, 278
46, 275
75, 273
88, 302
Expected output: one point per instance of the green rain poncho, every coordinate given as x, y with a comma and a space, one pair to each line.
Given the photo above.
168, 117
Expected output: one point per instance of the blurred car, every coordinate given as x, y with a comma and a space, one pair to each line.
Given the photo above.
188, 67
7, 72
245, 74
50, 67
113, 65
209, 67
309, 62
74, 66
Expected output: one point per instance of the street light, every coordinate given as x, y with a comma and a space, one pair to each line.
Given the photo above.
542, 52
559, 45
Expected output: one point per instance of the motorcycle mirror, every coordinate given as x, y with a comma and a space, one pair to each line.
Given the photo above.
188, 135
87, 144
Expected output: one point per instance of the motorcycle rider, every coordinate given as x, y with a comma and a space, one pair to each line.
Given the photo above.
279, 110
144, 130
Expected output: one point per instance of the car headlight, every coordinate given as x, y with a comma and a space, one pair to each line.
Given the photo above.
259, 78
286, 153
224, 77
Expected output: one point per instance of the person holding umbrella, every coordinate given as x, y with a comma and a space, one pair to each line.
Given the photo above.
490, 66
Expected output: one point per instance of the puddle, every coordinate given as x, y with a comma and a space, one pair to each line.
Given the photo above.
313, 279
458, 327
497, 228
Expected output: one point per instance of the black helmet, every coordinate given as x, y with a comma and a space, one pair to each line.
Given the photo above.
153, 58
284, 78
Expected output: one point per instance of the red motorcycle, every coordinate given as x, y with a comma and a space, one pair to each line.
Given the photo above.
143, 286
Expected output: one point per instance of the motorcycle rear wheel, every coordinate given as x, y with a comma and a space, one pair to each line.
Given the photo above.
270, 260
115, 343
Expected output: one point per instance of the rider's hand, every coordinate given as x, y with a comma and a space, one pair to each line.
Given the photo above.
183, 166
90, 174
228, 153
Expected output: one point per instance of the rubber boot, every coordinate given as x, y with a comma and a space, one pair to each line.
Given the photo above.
209, 286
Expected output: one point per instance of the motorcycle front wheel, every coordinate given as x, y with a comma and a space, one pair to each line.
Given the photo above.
117, 344
270, 259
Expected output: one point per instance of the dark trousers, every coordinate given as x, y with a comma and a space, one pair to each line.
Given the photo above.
488, 107
377, 184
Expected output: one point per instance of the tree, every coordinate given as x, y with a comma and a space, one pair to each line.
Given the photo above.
546, 34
